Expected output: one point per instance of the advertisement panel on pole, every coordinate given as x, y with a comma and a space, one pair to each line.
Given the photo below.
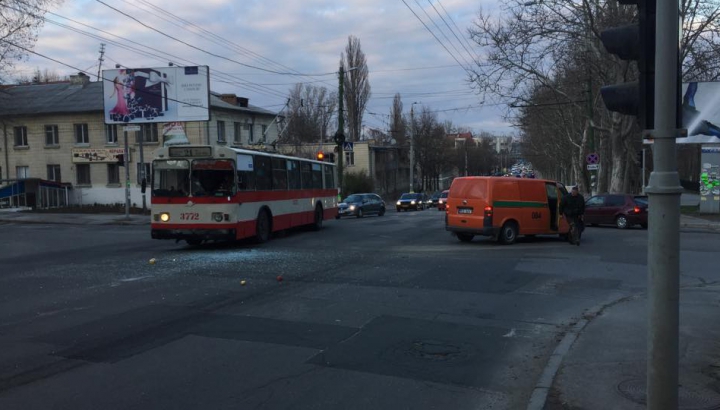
148, 95
701, 112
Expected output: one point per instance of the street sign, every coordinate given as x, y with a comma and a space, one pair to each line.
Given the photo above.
593, 158
348, 146
130, 128
593, 167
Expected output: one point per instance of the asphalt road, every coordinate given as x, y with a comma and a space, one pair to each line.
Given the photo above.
376, 313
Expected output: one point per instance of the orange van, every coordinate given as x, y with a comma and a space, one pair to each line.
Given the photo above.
504, 208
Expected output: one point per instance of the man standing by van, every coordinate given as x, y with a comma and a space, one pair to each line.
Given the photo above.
573, 207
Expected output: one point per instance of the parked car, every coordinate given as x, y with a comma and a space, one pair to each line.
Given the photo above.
359, 205
621, 210
410, 201
442, 201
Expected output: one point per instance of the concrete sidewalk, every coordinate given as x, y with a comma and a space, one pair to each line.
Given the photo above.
691, 222
24, 217
606, 366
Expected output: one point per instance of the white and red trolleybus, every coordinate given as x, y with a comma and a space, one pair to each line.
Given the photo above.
202, 193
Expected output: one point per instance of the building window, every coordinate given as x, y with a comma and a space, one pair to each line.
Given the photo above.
111, 134
53, 173
147, 133
221, 131
52, 136
113, 174
237, 135
249, 129
349, 159
20, 136
82, 174
81, 134
22, 172
264, 130
139, 169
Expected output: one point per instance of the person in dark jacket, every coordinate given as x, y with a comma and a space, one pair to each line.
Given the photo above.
573, 207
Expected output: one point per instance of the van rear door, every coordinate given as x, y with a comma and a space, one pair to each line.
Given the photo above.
467, 200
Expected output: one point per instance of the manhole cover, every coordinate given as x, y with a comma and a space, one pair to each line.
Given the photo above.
434, 350
689, 398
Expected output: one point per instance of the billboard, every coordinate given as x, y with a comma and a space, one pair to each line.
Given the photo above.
147, 95
701, 112
96, 155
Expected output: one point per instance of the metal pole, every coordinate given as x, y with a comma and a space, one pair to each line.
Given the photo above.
664, 220
142, 175
341, 129
412, 148
643, 170
126, 159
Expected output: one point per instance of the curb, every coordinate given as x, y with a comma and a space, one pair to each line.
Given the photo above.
547, 378
101, 223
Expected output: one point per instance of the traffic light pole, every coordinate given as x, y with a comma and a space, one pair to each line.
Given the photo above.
664, 220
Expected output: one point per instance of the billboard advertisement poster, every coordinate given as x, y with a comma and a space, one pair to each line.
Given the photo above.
96, 155
148, 95
701, 112
174, 134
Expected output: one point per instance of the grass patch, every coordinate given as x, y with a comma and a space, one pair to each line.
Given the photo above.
689, 209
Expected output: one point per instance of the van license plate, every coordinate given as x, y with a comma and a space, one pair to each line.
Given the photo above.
464, 210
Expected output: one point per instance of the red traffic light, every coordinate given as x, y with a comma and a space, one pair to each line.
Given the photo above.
320, 156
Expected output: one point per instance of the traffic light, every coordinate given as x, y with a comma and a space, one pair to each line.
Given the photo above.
634, 42
120, 159
320, 156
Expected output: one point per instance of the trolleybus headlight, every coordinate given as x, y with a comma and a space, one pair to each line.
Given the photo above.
164, 216
217, 216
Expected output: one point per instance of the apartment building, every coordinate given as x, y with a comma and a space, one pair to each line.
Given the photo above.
56, 132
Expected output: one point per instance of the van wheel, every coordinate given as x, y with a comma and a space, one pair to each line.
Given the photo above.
465, 237
262, 227
318, 222
508, 233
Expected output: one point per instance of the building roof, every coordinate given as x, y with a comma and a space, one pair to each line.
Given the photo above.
66, 97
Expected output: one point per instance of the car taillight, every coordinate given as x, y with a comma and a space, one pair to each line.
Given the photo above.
637, 210
488, 211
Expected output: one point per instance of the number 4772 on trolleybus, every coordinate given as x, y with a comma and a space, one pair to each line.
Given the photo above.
202, 193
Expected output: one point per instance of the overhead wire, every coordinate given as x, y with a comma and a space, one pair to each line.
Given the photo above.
444, 35
433, 34
202, 50
213, 74
472, 58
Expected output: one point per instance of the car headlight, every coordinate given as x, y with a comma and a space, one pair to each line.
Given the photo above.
164, 216
398, 203
412, 203
217, 216
352, 207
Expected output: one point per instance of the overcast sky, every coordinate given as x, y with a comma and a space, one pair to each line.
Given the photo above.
285, 36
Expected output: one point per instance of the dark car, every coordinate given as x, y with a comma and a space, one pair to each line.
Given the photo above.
434, 200
411, 201
359, 205
620, 210
442, 202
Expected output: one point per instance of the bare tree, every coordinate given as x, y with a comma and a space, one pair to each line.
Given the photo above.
398, 124
434, 153
310, 113
546, 61
20, 21
42, 77
357, 86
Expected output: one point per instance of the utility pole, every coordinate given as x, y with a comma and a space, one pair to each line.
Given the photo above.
101, 59
591, 132
340, 135
126, 159
412, 148
664, 219
142, 177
